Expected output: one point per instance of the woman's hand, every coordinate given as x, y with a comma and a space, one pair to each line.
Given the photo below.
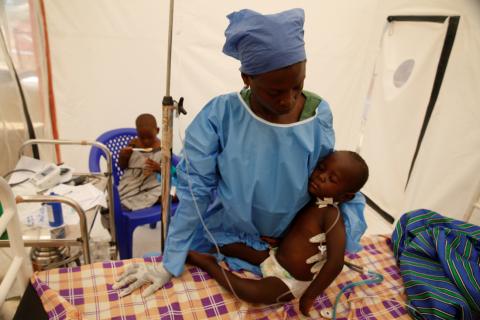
136, 275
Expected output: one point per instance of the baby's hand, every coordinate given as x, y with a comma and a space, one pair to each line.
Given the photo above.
126, 152
272, 242
306, 303
151, 167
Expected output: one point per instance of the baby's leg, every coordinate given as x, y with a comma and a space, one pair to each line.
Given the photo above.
267, 290
244, 252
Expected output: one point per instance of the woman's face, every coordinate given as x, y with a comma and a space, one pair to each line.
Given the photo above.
275, 93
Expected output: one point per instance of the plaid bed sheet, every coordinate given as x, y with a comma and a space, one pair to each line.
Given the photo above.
86, 293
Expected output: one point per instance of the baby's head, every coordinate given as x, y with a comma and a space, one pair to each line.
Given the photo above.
147, 130
339, 176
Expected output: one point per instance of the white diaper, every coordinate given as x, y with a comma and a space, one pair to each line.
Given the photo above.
271, 268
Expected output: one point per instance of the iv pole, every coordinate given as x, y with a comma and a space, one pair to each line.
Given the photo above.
168, 106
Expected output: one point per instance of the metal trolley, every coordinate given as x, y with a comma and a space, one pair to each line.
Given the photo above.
86, 218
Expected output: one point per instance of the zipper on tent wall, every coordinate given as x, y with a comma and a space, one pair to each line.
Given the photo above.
385, 215
453, 22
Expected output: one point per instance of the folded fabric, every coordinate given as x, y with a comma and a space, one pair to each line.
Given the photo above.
439, 262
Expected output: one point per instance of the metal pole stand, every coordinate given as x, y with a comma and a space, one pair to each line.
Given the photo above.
168, 106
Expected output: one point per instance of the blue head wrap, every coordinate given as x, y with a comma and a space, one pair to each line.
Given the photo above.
264, 43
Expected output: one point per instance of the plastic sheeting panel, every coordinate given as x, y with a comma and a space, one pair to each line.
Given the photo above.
19, 54
404, 76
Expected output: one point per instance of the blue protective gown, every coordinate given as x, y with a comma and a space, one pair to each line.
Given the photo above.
255, 172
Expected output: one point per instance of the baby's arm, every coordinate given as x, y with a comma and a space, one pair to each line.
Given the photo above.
151, 166
336, 240
125, 153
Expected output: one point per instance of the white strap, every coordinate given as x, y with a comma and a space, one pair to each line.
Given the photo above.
317, 266
318, 238
312, 259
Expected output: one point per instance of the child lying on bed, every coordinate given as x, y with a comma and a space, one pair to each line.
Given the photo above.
311, 255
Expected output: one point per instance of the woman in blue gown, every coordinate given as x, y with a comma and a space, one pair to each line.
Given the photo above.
248, 155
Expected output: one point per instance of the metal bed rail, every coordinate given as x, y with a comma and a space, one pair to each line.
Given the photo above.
81, 214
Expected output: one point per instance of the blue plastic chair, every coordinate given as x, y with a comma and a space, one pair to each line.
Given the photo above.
125, 221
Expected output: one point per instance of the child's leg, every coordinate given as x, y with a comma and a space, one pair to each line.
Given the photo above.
267, 290
244, 252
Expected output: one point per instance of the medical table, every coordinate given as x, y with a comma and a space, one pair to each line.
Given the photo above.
76, 234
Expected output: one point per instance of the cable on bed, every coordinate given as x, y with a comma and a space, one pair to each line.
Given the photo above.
386, 298
17, 170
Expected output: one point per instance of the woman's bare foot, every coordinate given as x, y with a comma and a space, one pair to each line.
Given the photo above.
201, 260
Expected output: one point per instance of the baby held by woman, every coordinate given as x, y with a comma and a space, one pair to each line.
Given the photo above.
311, 255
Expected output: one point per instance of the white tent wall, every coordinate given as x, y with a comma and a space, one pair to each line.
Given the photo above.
342, 39
333, 30
108, 60
445, 176
108, 64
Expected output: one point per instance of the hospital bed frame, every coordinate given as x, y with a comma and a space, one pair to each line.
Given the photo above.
20, 268
58, 242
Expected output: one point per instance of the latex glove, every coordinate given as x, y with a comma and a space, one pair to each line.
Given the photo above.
136, 275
